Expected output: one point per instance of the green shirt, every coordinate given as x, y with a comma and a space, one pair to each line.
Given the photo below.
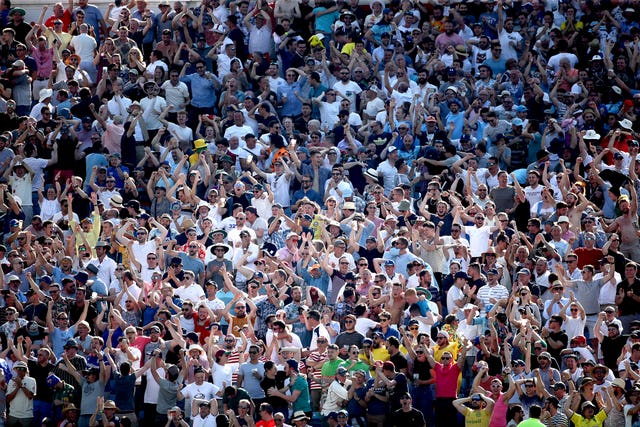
330, 367
65, 394
303, 402
360, 365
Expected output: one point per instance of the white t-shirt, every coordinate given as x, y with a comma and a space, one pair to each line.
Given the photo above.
153, 389
574, 326
209, 421
118, 105
204, 391
239, 131
453, 295
21, 406
509, 51
221, 375
533, 195
141, 250
84, 45
364, 325
350, 90
478, 239
280, 187
183, 134
193, 293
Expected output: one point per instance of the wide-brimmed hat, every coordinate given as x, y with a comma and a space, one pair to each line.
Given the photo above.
110, 404
626, 124
372, 173
219, 245
44, 94
69, 407
221, 231
116, 201
299, 416
17, 10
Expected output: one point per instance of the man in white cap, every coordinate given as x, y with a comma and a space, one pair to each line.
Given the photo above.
20, 393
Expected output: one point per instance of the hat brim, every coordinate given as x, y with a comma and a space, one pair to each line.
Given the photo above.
214, 247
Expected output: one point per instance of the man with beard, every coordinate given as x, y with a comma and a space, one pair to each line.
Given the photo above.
241, 317
298, 386
349, 336
448, 38
348, 88
407, 415
480, 410
274, 379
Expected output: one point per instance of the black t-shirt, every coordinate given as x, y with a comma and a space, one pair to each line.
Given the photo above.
75, 312
23, 332
369, 255
399, 361
412, 418
422, 369
39, 310
619, 260
400, 388
611, 348
628, 305
277, 382
558, 336
40, 374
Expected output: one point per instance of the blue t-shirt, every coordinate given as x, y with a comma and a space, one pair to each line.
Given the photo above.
324, 22
59, 338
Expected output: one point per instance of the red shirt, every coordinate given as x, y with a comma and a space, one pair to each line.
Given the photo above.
66, 21
447, 380
588, 256
139, 343
203, 330
263, 423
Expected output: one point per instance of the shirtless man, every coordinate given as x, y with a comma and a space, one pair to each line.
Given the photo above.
577, 204
396, 303
626, 225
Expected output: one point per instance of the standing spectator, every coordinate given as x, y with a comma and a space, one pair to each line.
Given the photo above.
20, 393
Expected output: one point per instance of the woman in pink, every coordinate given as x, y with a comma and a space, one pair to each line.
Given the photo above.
499, 413
446, 374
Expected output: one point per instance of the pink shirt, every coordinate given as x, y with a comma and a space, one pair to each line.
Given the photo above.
447, 380
44, 59
499, 414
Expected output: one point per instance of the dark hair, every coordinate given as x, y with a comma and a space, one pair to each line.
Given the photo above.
393, 341
512, 411
281, 324
535, 411
314, 314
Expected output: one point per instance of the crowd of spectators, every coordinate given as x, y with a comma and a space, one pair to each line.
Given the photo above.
245, 214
